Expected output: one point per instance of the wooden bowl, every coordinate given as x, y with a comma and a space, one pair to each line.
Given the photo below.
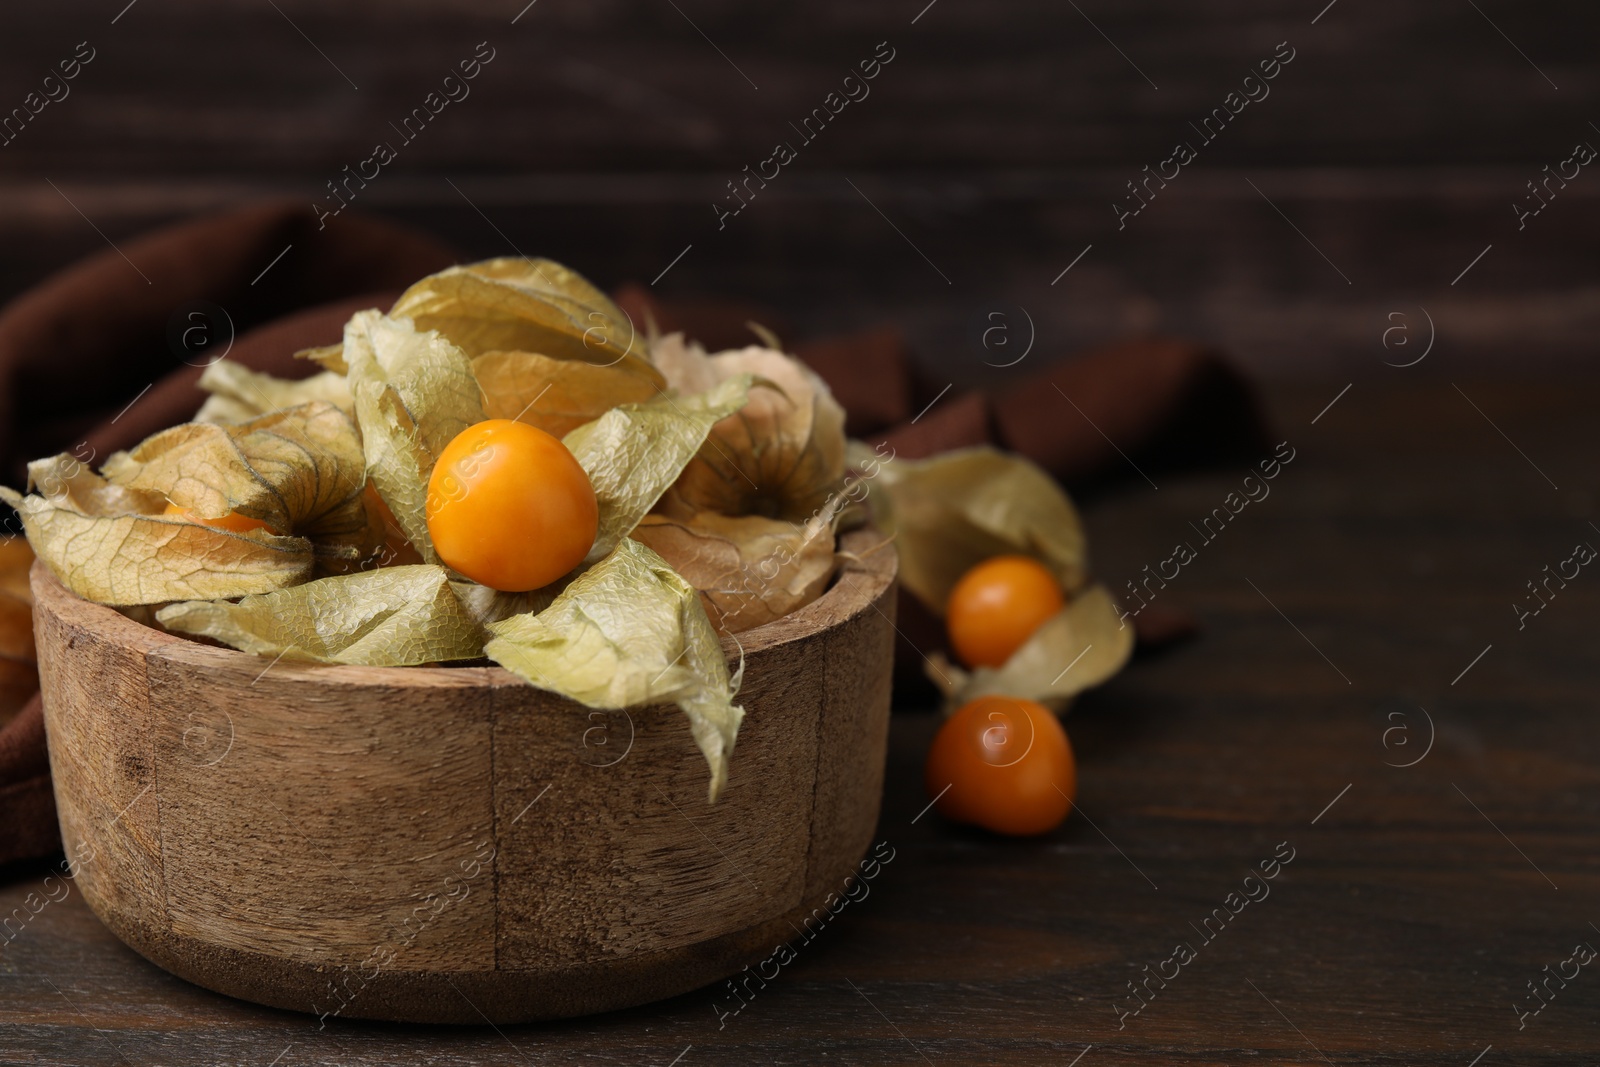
449, 844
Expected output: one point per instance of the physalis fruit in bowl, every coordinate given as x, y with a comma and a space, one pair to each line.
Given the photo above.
510, 507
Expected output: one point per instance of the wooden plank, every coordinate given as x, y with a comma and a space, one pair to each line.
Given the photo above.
1210, 259
1020, 83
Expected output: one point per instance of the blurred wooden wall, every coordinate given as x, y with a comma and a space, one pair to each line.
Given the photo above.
987, 156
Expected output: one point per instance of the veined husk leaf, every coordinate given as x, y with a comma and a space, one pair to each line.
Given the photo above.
389, 617
749, 569
239, 394
782, 456
111, 544
1081, 646
954, 510
298, 470
556, 395
629, 631
526, 305
414, 392
488, 606
328, 357
634, 452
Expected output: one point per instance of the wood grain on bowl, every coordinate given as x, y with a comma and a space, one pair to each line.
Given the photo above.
450, 844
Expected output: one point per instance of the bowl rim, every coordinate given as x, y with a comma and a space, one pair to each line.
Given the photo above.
868, 566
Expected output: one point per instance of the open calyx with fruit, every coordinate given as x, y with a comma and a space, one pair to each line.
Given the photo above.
989, 542
501, 467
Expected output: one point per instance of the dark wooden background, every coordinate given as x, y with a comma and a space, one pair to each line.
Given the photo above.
996, 141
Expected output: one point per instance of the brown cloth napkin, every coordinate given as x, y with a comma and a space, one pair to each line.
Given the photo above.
74, 349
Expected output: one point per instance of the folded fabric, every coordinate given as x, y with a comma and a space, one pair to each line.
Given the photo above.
74, 349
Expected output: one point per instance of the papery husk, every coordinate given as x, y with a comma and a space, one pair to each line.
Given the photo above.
627, 632
414, 392
526, 305
555, 395
389, 617
397, 550
782, 457
298, 471
634, 452
1079, 647
952, 511
748, 569
108, 544
239, 394
536, 306
328, 357
488, 606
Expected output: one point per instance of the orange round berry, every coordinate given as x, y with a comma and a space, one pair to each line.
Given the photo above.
1004, 764
509, 507
997, 606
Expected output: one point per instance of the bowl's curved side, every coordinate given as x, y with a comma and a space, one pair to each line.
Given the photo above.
352, 840
471, 997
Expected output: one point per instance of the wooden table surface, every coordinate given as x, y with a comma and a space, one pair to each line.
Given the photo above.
1357, 619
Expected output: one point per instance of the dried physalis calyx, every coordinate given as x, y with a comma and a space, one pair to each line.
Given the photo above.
751, 521
525, 305
239, 394
955, 510
782, 457
203, 511
556, 395
521, 306
749, 569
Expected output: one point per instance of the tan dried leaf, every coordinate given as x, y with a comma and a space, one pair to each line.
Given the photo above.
389, 617
954, 510
239, 394
487, 605
634, 452
556, 395
526, 305
782, 456
628, 632
111, 544
749, 570
299, 471
414, 392
1081, 646
328, 357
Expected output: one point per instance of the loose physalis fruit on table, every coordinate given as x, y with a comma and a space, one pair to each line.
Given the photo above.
1004, 764
952, 514
510, 507
997, 606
